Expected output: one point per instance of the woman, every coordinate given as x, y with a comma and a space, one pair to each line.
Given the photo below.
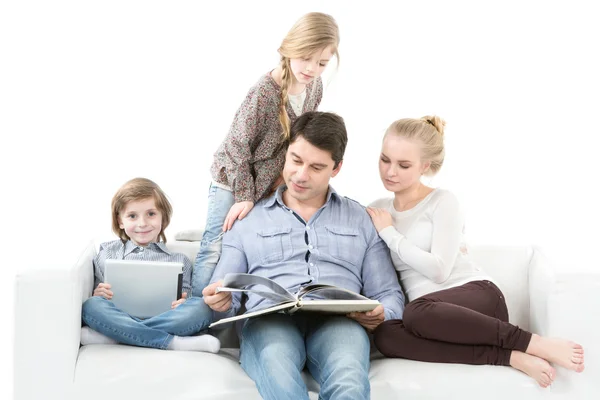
456, 314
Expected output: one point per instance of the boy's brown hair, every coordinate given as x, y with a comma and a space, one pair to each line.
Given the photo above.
135, 190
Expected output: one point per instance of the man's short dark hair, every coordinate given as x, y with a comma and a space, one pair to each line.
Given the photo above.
324, 130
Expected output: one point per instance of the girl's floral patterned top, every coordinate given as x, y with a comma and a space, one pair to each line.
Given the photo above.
251, 157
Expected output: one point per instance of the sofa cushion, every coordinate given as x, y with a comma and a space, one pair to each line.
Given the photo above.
189, 248
509, 268
103, 370
194, 375
190, 235
406, 379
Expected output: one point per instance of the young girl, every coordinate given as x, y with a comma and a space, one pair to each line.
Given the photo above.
456, 314
140, 214
248, 163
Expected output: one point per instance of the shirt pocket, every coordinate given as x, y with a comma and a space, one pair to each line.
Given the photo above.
274, 244
346, 244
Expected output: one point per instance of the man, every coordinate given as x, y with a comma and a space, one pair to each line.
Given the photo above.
304, 234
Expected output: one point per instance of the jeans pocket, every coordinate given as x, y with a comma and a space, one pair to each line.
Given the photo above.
274, 244
346, 244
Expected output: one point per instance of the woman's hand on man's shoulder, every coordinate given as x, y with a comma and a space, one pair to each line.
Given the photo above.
381, 218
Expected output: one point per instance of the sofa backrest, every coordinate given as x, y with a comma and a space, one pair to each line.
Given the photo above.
190, 249
507, 265
509, 268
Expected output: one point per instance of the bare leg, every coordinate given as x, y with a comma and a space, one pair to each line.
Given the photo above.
537, 368
562, 352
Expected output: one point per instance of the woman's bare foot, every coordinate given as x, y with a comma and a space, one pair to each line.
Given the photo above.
537, 368
562, 352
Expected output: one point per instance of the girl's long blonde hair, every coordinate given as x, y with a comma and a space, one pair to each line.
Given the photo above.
311, 33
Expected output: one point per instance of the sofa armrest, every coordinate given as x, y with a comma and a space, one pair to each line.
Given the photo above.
48, 327
542, 279
565, 304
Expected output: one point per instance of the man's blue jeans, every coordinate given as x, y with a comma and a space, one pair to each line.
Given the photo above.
276, 347
187, 319
219, 203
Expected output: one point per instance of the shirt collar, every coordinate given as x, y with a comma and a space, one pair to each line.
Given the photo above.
278, 196
130, 247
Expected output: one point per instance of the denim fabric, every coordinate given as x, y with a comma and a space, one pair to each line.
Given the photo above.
276, 347
337, 246
219, 203
187, 319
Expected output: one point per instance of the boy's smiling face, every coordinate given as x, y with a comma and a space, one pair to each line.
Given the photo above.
142, 221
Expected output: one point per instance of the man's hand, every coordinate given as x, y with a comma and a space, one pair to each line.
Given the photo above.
370, 319
103, 290
380, 217
220, 302
237, 211
180, 301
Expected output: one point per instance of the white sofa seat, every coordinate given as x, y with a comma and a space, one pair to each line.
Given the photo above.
51, 364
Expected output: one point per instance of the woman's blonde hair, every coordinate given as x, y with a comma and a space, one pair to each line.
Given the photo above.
311, 33
135, 190
429, 132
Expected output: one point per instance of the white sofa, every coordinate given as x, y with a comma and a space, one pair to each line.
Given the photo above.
50, 364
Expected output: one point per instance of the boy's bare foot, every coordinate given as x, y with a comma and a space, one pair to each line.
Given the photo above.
561, 352
537, 368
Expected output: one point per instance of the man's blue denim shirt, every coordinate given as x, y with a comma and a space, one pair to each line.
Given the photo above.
337, 246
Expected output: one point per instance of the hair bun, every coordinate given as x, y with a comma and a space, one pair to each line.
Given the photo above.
437, 122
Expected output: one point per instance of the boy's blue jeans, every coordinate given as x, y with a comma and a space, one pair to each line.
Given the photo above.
187, 319
276, 347
219, 203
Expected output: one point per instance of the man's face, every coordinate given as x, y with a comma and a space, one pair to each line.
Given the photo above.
307, 170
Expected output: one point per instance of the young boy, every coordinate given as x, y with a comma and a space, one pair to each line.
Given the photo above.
140, 214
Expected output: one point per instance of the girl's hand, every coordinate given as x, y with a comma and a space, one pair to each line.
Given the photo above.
237, 211
180, 301
103, 290
380, 217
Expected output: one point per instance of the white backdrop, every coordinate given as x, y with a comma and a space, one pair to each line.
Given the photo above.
96, 93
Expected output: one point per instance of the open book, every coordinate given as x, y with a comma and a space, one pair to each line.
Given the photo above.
323, 298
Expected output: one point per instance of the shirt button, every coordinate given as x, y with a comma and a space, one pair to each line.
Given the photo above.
307, 228
310, 246
311, 264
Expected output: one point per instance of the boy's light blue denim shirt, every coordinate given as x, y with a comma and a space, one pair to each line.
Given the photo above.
337, 246
158, 251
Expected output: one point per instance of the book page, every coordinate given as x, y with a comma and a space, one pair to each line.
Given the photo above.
240, 281
337, 306
264, 311
275, 297
329, 292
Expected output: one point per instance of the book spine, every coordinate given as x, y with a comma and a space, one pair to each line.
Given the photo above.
294, 309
